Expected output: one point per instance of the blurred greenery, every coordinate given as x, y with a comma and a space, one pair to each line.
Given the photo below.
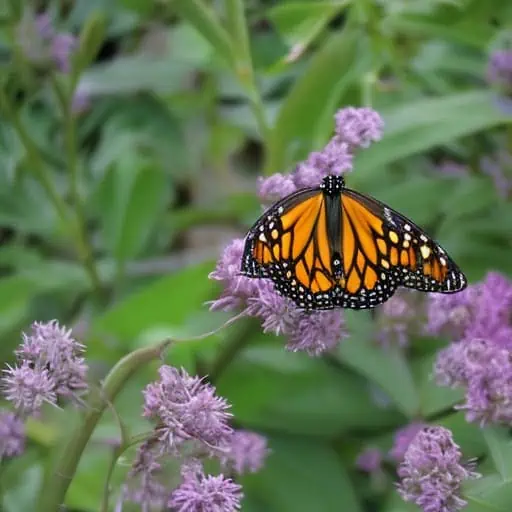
112, 214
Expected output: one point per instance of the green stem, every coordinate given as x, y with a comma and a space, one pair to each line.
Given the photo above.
244, 69
54, 493
84, 246
117, 452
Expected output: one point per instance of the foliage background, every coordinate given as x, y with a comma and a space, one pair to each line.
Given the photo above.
187, 103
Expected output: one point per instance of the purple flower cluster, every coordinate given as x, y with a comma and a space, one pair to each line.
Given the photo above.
191, 423
50, 366
205, 493
403, 438
432, 472
499, 69
186, 409
480, 361
482, 310
247, 452
12, 435
316, 332
41, 43
370, 459
313, 332
484, 369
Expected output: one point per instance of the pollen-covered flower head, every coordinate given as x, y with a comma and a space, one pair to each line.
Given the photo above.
359, 127
278, 314
12, 435
205, 493
482, 310
185, 409
317, 332
237, 288
432, 472
484, 369
50, 366
403, 438
275, 187
247, 452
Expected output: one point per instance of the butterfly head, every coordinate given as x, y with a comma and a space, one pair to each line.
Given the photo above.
332, 185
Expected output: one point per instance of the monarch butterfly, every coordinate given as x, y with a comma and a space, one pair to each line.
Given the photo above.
331, 246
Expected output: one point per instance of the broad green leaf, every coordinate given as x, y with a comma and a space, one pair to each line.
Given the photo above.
135, 74
133, 197
434, 399
469, 32
500, 448
165, 305
21, 479
291, 392
301, 475
387, 368
424, 124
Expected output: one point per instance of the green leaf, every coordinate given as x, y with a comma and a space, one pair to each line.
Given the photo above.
488, 494
133, 196
500, 448
300, 22
291, 392
301, 475
423, 124
90, 40
387, 368
21, 479
434, 399
161, 306
303, 107
469, 32
467, 435
134, 74
203, 18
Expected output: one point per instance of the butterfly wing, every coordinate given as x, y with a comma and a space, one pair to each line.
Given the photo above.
382, 250
290, 245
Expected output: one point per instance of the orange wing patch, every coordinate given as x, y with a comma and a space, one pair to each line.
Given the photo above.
300, 239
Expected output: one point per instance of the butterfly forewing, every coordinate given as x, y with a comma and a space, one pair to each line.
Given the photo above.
290, 245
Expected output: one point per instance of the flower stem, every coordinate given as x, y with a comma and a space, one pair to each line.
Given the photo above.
54, 491
244, 69
84, 247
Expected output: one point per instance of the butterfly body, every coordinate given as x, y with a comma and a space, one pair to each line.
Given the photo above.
331, 246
